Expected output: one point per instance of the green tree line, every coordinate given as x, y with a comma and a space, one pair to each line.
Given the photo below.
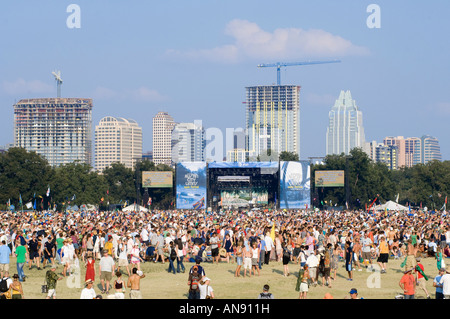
423, 185
27, 176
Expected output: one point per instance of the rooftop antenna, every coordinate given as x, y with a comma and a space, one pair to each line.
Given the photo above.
59, 81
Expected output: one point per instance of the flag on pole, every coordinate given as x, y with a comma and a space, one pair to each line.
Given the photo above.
73, 197
20, 199
396, 199
272, 232
149, 201
29, 205
48, 191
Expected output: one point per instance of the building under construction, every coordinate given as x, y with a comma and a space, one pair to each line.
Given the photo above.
60, 129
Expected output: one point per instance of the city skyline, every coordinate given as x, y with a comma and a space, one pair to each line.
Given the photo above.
165, 59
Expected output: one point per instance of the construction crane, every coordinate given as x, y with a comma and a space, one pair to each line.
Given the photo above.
59, 81
278, 65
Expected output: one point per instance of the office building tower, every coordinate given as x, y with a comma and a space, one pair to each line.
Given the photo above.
272, 119
188, 142
237, 155
117, 140
345, 129
400, 142
427, 150
411, 144
388, 155
163, 125
59, 129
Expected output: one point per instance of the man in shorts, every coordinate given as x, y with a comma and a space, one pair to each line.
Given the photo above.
366, 250
51, 278
247, 251
106, 268
383, 256
134, 283
214, 242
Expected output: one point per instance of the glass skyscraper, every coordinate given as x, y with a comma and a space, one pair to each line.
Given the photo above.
427, 150
345, 129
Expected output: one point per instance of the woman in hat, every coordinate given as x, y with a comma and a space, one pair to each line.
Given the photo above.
88, 292
16, 290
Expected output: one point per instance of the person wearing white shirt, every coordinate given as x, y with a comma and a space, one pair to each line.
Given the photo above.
88, 292
445, 282
269, 245
144, 236
312, 261
205, 288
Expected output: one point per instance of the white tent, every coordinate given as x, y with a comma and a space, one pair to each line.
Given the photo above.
390, 205
132, 208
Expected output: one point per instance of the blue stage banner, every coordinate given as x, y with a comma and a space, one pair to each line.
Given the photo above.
191, 185
295, 191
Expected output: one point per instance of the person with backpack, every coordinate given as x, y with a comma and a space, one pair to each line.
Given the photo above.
5, 284
194, 283
172, 257
265, 294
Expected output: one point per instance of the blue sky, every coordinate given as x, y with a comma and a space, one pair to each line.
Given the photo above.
194, 59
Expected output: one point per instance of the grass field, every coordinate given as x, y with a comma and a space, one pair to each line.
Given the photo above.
159, 284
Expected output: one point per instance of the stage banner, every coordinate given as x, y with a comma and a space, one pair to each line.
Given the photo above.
295, 191
191, 185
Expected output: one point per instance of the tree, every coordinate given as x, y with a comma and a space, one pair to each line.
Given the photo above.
289, 156
24, 174
78, 184
120, 181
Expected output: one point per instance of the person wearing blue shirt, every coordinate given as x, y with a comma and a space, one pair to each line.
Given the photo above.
437, 285
5, 252
262, 247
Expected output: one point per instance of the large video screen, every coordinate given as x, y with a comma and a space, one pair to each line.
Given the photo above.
295, 190
157, 179
244, 197
329, 178
191, 185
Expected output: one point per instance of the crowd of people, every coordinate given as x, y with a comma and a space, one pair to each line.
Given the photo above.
315, 240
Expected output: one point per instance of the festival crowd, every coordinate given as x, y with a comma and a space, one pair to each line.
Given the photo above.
315, 240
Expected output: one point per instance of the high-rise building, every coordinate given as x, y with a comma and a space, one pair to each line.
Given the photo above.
345, 129
388, 155
272, 119
236, 155
400, 142
59, 129
163, 125
427, 150
188, 142
411, 144
117, 140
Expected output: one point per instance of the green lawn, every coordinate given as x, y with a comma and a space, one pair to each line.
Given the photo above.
159, 284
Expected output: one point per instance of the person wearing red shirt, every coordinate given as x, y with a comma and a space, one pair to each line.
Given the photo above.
421, 280
408, 284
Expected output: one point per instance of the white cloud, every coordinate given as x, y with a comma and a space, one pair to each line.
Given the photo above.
250, 41
21, 86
